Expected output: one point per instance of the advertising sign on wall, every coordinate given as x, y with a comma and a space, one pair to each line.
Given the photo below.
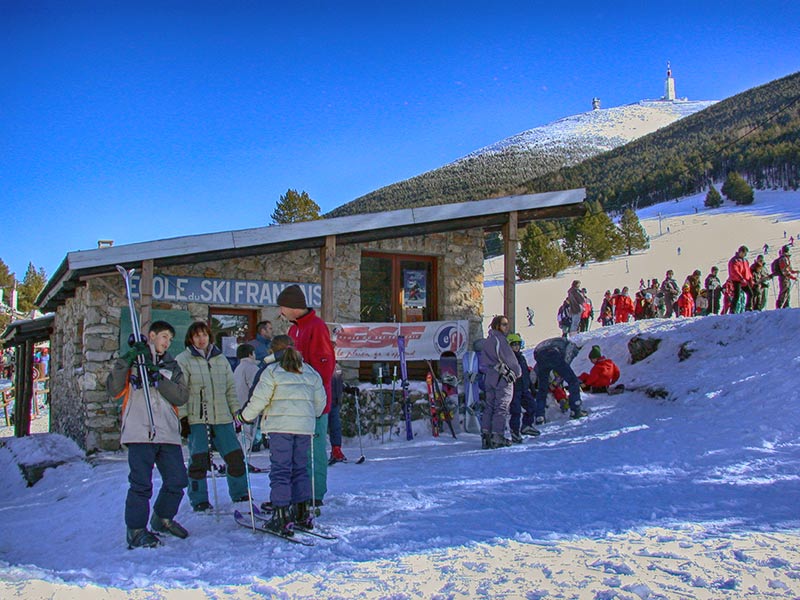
378, 341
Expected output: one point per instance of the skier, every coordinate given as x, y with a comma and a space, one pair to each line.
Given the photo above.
686, 302
564, 318
167, 391
522, 403
556, 354
530, 313
742, 280
313, 341
576, 299
713, 290
500, 369
244, 376
334, 422
671, 291
786, 275
263, 339
209, 414
604, 372
623, 306
290, 397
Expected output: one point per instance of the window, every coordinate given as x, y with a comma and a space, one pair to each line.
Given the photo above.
397, 288
231, 327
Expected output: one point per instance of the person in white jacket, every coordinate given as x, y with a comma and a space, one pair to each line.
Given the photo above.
289, 396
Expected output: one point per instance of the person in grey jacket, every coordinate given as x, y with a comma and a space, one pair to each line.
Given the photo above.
500, 369
577, 300
209, 413
159, 445
556, 354
290, 396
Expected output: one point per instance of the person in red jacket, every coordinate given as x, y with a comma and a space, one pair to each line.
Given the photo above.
742, 279
686, 302
603, 373
623, 306
313, 340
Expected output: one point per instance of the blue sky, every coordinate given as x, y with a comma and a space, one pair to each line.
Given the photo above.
141, 121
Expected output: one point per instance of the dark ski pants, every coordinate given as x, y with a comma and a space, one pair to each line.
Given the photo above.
737, 305
168, 459
519, 419
335, 424
288, 473
225, 442
551, 360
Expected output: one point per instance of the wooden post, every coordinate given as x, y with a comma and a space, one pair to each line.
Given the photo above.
510, 239
328, 264
24, 385
146, 296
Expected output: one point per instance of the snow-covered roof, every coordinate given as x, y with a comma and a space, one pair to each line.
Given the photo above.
309, 234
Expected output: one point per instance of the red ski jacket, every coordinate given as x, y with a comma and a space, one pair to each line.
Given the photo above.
739, 270
603, 373
623, 308
313, 340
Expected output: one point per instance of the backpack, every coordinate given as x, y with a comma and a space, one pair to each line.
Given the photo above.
564, 317
775, 267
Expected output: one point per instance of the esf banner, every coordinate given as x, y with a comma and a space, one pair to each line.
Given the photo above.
378, 341
223, 291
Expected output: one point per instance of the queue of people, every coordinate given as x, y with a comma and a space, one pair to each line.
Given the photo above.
745, 289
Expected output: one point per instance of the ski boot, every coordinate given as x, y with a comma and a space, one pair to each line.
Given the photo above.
486, 440
516, 438
281, 521
170, 526
336, 455
141, 538
203, 507
530, 430
578, 414
303, 517
500, 441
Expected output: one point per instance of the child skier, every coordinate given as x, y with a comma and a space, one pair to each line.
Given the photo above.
167, 392
290, 397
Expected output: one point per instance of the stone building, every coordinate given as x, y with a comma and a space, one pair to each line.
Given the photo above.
352, 269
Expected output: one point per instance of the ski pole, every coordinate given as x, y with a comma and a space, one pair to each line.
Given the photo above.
391, 401
246, 448
380, 394
140, 362
204, 406
314, 509
356, 396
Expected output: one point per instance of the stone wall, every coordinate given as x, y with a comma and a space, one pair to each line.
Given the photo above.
86, 331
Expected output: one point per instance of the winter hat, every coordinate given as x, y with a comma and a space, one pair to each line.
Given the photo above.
595, 352
292, 297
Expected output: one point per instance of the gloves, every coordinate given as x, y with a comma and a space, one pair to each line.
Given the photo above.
138, 349
153, 374
505, 372
185, 429
238, 421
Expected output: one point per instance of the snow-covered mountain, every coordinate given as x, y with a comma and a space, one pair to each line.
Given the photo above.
506, 166
596, 131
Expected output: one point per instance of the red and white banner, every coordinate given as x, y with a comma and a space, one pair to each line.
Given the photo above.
378, 341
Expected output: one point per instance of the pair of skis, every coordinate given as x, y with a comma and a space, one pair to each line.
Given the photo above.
440, 412
260, 525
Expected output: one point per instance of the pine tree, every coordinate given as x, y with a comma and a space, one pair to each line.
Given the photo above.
294, 208
737, 189
539, 256
633, 234
29, 289
713, 198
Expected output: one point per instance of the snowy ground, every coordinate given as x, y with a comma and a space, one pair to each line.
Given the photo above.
690, 496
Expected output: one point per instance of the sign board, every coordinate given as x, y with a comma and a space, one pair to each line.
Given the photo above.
208, 290
378, 341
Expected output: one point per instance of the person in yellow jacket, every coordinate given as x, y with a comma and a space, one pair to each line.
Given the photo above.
209, 416
290, 396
